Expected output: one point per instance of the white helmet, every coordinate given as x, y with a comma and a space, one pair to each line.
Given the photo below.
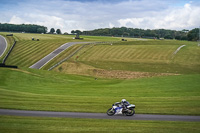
123, 100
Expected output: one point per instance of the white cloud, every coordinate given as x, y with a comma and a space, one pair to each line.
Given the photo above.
111, 25
16, 20
172, 18
71, 15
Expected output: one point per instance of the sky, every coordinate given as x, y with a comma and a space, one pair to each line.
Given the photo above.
83, 15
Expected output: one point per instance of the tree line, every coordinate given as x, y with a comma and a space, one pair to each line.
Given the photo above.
29, 28
192, 35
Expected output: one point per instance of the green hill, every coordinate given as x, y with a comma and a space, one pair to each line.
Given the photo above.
27, 52
145, 60
145, 72
147, 57
43, 90
100, 60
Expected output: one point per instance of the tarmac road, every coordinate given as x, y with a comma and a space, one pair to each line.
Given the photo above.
3, 45
99, 115
53, 54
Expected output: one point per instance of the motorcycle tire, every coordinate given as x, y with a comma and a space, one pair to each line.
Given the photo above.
110, 112
132, 112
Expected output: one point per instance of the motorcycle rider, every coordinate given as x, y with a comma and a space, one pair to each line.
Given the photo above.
124, 104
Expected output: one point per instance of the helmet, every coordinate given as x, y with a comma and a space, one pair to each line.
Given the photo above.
123, 100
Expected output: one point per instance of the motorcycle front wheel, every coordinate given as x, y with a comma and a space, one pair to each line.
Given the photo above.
110, 112
130, 112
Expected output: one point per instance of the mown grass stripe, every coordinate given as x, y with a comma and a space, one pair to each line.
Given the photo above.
24, 55
26, 49
117, 53
32, 51
127, 53
35, 53
140, 53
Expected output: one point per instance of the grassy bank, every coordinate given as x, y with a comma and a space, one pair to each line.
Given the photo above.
42, 90
146, 73
27, 52
36, 124
134, 56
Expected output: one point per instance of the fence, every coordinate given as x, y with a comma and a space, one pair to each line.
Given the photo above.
8, 66
4, 59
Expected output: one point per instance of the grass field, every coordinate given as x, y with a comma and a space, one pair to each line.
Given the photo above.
144, 72
42, 90
135, 56
151, 62
63, 125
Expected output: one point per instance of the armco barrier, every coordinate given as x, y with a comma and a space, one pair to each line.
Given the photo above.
8, 66
4, 60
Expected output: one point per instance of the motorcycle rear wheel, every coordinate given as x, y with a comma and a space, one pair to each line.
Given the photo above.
110, 112
130, 112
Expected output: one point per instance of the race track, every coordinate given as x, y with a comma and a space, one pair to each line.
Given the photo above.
53, 54
99, 115
3, 45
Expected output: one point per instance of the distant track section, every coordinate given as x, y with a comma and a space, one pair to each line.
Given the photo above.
67, 57
99, 115
178, 49
3, 45
49, 57
52, 67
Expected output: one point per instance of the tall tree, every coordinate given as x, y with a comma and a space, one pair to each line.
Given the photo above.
72, 31
78, 32
58, 31
52, 30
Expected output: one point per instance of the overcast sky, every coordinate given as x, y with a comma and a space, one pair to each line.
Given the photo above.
70, 15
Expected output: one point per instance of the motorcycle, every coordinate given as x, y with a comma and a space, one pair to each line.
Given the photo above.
118, 109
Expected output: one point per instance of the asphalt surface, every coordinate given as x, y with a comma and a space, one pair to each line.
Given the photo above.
3, 45
99, 115
53, 54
